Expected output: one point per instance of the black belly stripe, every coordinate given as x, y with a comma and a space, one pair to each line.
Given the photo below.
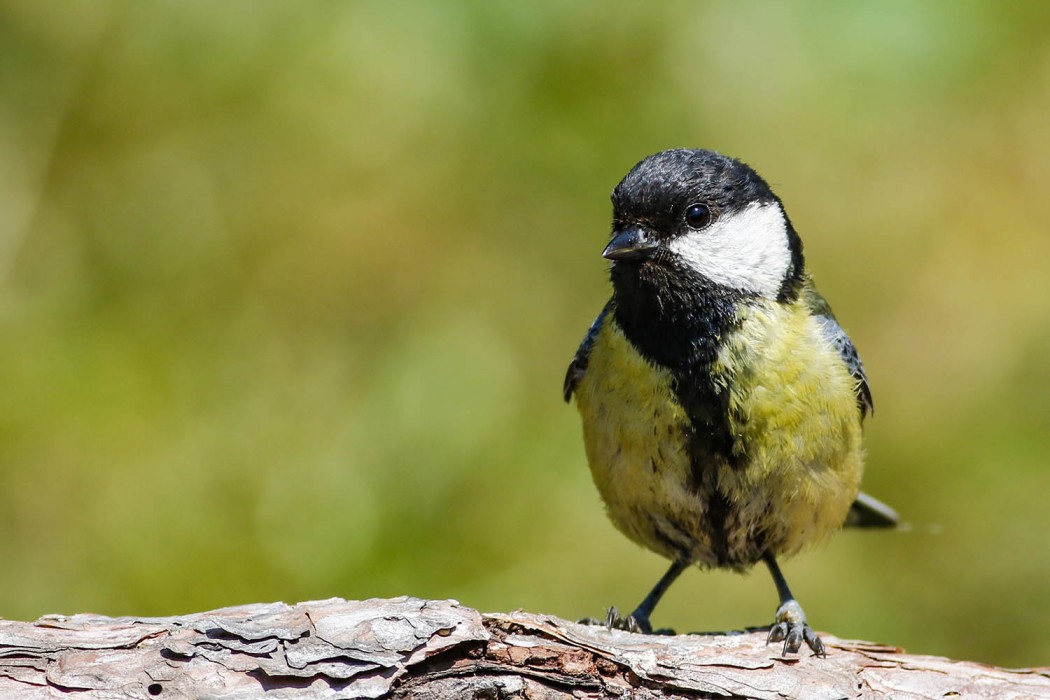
679, 321
681, 327
719, 511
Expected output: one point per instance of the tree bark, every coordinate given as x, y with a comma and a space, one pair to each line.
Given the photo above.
412, 648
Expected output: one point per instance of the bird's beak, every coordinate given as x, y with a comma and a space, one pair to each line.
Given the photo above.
632, 243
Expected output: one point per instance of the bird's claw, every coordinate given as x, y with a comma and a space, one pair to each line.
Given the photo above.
636, 622
791, 628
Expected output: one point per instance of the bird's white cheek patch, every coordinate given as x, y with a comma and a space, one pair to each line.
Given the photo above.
748, 250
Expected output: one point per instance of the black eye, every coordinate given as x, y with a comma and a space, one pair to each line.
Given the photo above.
697, 216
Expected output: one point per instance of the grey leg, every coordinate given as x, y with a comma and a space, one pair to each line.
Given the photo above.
790, 625
638, 621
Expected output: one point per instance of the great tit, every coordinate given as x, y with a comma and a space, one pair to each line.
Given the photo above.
721, 400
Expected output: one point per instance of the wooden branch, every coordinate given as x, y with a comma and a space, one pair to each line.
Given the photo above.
412, 648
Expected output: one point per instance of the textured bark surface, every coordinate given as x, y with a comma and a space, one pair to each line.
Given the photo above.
412, 648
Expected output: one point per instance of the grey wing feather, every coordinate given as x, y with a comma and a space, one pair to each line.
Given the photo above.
834, 333
579, 363
869, 512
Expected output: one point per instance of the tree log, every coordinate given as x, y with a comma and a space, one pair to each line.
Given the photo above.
412, 648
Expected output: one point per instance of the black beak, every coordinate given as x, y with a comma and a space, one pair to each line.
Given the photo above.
632, 243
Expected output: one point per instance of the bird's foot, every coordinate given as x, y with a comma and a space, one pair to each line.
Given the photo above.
637, 622
791, 628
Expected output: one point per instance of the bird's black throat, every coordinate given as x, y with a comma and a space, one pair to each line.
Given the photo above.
678, 320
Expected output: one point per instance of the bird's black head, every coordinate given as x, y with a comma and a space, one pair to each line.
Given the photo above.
685, 217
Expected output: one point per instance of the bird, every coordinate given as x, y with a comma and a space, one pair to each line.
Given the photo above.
721, 401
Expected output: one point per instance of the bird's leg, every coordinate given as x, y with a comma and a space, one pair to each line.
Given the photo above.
790, 625
638, 621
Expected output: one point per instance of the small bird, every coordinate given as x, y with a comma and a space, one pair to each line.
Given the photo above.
721, 401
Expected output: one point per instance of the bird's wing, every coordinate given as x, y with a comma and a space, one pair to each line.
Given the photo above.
579, 363
834, 333
837, 337
869, 512
865, 511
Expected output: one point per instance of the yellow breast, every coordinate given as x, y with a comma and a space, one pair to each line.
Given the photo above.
635, 433
794, 411
794, 418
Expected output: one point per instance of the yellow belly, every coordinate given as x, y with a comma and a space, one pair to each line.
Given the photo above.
799, 428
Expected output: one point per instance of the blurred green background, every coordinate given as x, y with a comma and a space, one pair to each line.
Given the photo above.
287, 292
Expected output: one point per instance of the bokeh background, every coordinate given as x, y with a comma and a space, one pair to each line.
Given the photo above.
287, 292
